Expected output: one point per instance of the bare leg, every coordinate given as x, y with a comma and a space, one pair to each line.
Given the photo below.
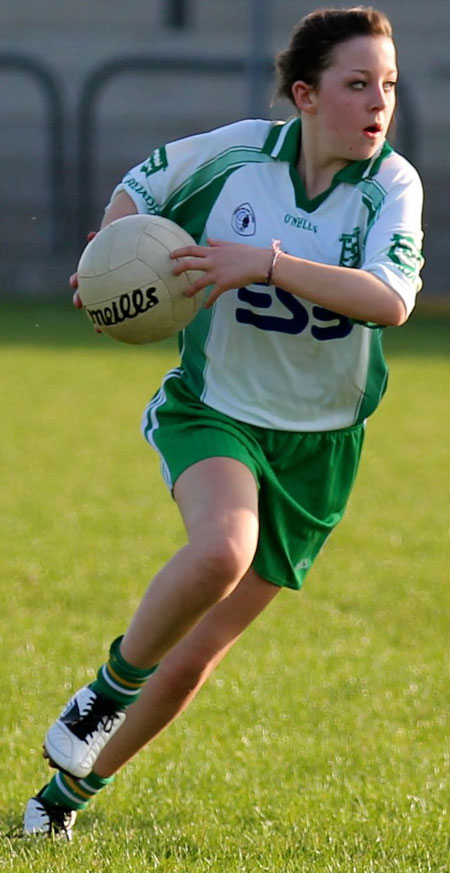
184, 670
218, 501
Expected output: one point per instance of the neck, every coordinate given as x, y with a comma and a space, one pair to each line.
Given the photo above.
316, 168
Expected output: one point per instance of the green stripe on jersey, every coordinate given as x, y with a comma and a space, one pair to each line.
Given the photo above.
192, 201
193, 357
377, 376
373, 198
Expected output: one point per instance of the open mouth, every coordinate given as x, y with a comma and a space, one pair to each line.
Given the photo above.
373, 129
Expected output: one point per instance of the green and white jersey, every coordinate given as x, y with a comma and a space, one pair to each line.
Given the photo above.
261, 354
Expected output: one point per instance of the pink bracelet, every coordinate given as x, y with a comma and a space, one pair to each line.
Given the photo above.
276, 252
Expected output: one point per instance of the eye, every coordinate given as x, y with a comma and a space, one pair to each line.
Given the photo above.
358, 84
390, 86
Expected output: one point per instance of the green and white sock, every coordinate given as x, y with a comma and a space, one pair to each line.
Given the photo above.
118, 679
72, 793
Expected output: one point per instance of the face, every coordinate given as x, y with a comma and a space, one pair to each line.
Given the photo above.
353, 106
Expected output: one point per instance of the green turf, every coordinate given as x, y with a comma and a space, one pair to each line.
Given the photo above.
321, 743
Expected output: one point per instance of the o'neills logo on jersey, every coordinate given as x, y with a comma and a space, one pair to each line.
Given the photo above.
128, 306
243, 220
300, 222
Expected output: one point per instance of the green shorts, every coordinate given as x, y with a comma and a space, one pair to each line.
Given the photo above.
304, 479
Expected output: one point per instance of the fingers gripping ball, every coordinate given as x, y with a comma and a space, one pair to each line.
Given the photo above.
126, 281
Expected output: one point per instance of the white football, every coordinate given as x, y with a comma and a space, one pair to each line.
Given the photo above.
126, 281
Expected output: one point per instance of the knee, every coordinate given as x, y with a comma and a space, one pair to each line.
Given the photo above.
224, 561
181, 677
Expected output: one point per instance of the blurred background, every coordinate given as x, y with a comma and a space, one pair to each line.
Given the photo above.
88, 89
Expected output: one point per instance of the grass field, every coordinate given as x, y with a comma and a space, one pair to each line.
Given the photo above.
321, 743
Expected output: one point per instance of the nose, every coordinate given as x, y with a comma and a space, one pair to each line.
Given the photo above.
378, 96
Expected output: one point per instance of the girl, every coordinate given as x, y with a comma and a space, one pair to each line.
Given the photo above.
309, 241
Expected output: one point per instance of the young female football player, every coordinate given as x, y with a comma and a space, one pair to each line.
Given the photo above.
309, 241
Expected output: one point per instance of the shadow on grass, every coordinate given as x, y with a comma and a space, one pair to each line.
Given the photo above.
58, 324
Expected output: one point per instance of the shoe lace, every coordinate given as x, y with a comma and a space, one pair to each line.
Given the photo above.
100, 713
60, 818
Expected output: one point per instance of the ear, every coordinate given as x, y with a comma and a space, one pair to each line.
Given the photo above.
303, 96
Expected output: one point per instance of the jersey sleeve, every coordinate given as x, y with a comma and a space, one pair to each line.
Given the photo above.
163, 177
393, 247
151, 183
146, 197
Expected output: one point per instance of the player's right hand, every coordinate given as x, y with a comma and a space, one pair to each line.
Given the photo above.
76, 299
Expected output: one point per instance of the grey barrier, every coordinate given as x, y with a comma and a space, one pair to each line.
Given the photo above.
407, 132
87, 110
86, 121
177, 14
49, 85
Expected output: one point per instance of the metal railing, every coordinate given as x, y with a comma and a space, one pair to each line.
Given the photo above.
86, 122
407, 139
407, 128
177, 14
50, 87
86, 125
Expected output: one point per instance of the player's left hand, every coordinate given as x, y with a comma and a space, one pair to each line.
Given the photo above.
73, 282
76, 299
224, 265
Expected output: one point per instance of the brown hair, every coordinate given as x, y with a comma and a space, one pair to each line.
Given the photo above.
315, 37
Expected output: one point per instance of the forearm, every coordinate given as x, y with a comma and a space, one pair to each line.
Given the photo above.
120, 206
352, 292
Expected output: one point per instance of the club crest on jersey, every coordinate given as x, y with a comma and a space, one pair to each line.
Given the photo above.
156, 161
351, 249
243, 220
406, 255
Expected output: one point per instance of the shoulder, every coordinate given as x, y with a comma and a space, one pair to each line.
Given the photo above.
217, 151
248, 133
396, 172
